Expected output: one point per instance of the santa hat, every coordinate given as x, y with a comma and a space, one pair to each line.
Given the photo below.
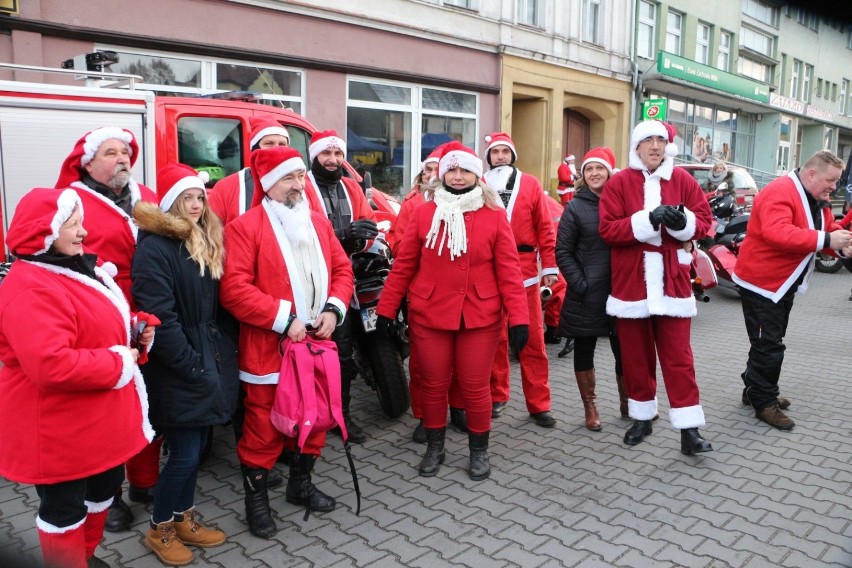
269, 165
649, 128
85, 149
457, 155
600, 155
433, 157
261, 126
325, 140
569, 158
174, 179
496, 139
38, 217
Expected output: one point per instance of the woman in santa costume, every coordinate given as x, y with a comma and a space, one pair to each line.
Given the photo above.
647, 213
459, 267
192, 371
69, 378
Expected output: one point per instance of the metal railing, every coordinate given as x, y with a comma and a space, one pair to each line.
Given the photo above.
119, 79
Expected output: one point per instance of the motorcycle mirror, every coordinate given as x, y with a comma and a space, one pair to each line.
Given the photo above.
367, 180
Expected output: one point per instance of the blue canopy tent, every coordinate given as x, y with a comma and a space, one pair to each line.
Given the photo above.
355, 143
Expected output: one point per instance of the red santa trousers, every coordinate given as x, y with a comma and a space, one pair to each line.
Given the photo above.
553, 307
143, 469
642, 341
469, 353
414, 386
534, 369
262, 443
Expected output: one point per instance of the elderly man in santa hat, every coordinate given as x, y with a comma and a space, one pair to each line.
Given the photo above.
232, 195
305, 278
530, 218
342, 200
647, 213
98, 169
567, 174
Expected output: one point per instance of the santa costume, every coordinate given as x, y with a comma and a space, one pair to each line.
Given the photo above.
566, 173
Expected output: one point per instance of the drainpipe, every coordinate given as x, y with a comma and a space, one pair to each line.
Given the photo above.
634, 66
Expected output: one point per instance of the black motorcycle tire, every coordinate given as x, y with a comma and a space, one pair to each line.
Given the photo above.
389, 376
827, 263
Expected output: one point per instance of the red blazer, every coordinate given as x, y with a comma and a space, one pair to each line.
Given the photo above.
227, 198
409, 204
475, 286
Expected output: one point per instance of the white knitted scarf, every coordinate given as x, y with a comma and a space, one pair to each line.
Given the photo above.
450, 211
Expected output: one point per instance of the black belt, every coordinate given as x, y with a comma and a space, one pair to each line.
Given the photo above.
526, 248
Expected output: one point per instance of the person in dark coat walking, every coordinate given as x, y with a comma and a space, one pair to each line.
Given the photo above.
583, 259
192, 375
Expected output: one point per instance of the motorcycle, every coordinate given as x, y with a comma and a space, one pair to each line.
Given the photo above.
826, 262
721, 246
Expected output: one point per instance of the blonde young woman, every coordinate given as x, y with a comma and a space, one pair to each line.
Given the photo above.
192, 372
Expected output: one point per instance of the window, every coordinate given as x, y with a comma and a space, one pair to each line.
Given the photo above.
782, 74
794, 79
754, 69
528, 12
674, 28
801, 16
392, 127
702, 44
807, 81
757, 41
723, 59
834, 91
591, 20
761, 11
844, 94
647, 29
813, 22
469, 4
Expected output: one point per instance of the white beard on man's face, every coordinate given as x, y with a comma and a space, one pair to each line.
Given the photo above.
295, 219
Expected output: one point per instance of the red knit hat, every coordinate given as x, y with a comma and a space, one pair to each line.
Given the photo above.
38, 217
85, 149
174, 179
496, 139
600, 155
269, 165
325, 140
457, 155
261, 126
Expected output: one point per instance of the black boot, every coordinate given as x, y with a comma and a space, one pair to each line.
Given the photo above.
356, 434
551, 336
419, 434
458, 419
434, 456
691, 442
569, 347
300, 489
259, 517
479, 467
119, 515
637, 432
273, 479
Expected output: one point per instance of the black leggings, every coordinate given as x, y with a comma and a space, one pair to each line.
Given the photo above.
584, 353
64, 504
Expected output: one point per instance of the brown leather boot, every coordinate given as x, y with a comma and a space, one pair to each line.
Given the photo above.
586, 383
622, 397
162, 541
190, 531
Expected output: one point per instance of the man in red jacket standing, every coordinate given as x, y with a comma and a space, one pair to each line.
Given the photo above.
532, 227
790, 222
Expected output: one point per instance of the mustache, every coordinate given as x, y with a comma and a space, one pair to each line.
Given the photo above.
121, 168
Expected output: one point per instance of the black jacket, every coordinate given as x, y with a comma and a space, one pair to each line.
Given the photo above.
583, 259
192, 374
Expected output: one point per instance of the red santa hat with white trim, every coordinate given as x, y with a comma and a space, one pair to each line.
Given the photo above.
433, 157
601, 155
457, 155
325, 140
646, 129
269, 165
85, 149
174, 179
38, 217
261, 126
497, 139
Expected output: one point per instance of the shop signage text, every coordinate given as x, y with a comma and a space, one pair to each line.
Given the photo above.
687, 70
654, 108
786, 103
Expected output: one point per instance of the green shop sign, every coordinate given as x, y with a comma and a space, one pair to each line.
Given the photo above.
686, 70
654, 108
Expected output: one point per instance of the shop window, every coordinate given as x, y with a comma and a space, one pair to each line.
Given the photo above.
646, 43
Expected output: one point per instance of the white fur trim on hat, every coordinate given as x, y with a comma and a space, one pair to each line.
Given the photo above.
65, 205
189, 182
269, 131
500, 139
596, 160
459, 159
284, 168
326, 143
99, 136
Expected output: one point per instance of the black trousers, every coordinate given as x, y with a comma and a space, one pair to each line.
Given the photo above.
64, 504
584, 353
343, 338
766, 325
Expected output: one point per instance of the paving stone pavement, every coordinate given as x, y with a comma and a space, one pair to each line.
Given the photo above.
567, 496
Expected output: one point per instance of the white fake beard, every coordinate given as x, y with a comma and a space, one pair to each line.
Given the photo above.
498, 177
295, 220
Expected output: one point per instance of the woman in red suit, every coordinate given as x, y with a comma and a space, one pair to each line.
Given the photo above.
459, 266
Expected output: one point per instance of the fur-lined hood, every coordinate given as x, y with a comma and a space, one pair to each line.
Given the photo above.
150, 218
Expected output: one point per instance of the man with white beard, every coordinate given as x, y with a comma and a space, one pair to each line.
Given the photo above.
285, 270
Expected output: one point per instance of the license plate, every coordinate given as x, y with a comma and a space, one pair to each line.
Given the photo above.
368, 318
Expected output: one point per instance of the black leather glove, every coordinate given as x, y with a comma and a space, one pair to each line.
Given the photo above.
363, 229
656, 216
675, 218
518, 336
385, 326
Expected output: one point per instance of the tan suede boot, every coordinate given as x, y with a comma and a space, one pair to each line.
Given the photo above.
190, 531
163, 542
586, 383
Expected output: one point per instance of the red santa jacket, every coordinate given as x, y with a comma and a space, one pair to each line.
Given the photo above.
474, 287
781, 241
228, 197
531, 223
650, 269
72, 400
261, 287
410, 202
112, 232
565, 189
